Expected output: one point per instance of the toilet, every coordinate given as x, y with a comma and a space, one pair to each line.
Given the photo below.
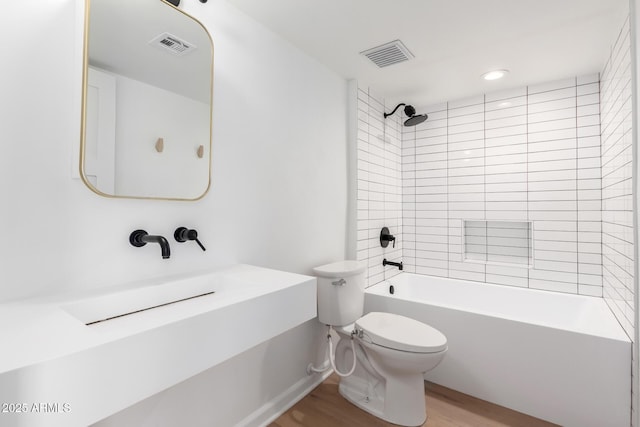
392, 351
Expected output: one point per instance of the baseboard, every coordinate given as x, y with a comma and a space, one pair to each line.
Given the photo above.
271, 410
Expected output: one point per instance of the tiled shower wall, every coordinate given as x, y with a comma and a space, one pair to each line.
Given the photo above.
617, 174
617, 189
379, 187
526, 155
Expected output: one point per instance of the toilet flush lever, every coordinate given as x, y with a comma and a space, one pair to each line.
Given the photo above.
340, 282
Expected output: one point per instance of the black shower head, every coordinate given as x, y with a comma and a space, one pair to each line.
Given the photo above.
415, 120
410, 112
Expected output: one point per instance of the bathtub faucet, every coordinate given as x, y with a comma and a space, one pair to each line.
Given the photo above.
395, 264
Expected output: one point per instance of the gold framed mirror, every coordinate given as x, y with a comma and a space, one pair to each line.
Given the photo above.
147, 101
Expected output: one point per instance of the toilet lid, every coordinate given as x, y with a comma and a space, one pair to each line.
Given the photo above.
401, 333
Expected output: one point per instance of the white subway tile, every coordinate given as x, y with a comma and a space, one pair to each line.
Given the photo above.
505, 140
561, 195
552, 86
506, 131
555, 226
506, 206
593, 98
570, 215
594, 291
554, 175
552, 135
559, 104
461, 106
553, 125
541, 255
512, 110
517, 196
565, 184
511, 94
589, 110
588, 79
522, 282
506, 122
554, 115
552, 275
568, 267
506, 178
552, 146
552, 95
549, 285
546, 156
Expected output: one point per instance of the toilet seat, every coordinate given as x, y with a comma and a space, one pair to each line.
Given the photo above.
401, 333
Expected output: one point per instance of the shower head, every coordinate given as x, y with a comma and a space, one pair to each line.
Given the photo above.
415, 120
410, 112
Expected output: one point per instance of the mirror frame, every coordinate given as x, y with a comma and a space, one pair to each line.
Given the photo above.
85, 74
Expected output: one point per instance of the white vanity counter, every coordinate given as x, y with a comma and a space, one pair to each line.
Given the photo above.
77, 374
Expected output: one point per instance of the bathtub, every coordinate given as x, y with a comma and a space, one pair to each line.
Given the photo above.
559, 357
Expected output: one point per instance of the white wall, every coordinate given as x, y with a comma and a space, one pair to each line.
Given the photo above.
278, 196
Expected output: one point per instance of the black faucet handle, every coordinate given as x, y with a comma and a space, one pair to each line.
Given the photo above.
386, 237
183, 234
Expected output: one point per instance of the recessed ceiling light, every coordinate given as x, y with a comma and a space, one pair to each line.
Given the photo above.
495, 74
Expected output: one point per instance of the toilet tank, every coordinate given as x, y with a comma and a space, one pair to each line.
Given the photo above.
340, 292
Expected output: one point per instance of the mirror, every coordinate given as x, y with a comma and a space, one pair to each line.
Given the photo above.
147, 100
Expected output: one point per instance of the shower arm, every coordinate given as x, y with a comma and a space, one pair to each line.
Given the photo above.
394, 110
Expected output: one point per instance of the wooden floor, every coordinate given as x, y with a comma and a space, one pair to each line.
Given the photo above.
324, 407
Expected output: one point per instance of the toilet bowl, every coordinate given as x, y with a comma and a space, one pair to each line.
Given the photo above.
392, 352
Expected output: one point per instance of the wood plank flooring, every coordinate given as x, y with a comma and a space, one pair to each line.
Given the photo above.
324, 407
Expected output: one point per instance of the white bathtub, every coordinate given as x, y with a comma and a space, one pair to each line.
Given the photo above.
562, 358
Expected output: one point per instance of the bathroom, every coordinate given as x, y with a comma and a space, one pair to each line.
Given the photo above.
267, 96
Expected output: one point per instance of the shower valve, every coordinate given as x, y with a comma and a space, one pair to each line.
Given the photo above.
386, 237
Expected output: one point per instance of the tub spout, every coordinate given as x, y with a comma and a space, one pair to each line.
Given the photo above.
395, 264
140, 238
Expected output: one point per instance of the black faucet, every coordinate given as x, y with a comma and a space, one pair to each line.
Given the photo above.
182, 234
386, 237
140, 238
395, 264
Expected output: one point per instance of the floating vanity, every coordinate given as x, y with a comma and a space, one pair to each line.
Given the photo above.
80, 359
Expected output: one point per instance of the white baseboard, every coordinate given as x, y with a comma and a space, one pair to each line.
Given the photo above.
271, 410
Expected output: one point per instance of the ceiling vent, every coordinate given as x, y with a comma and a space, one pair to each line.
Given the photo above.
172, 44
388, 54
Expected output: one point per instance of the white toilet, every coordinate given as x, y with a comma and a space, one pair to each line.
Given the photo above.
392, 351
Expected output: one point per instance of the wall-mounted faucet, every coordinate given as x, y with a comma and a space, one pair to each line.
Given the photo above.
140, 238
395, 264
386, 237
182, 234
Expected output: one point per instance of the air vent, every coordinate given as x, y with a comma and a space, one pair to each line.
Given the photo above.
388, 54
173, 44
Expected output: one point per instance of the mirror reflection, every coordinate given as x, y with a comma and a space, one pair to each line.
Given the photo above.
147, 101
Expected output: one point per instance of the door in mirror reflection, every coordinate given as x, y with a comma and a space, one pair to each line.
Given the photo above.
147, 101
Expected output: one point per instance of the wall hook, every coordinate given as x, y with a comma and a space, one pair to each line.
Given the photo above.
200, 151
160, 145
